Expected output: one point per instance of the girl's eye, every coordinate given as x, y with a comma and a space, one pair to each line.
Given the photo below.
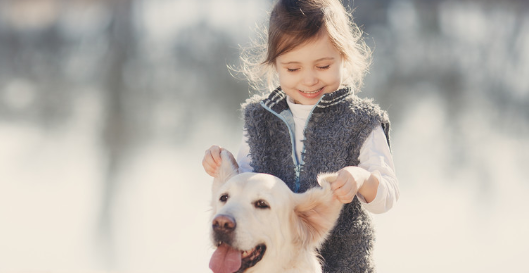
224, 198
324, 67
261, 204
292, 69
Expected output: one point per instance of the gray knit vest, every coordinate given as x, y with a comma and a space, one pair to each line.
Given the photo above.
335, 131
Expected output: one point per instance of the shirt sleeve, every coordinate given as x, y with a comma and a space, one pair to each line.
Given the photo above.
243, 157
376, 158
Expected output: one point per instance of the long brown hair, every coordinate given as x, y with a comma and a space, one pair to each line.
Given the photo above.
296, 22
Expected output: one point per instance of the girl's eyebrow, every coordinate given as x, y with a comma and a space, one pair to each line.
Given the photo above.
318, 60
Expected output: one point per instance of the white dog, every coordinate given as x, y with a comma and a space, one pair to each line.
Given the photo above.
260, 225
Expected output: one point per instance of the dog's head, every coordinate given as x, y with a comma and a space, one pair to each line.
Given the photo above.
257, 220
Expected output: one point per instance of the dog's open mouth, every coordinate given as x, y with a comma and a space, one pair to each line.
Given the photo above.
229, 260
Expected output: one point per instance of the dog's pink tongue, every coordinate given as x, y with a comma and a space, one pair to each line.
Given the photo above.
225, 260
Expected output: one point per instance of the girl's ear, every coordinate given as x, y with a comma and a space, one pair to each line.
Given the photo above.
228, 168
316, 212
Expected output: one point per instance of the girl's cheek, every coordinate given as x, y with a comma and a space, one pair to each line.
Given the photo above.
287, 79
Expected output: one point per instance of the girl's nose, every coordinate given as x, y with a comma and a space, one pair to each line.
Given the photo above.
309, 78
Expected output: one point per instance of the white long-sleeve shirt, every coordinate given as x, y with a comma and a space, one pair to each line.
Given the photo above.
374, 157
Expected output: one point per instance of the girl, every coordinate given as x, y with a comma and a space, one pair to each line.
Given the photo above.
313, 123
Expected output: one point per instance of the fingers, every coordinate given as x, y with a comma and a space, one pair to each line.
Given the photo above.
345, 194
215, 153
339, 182
210, 169
212, 160
344, 187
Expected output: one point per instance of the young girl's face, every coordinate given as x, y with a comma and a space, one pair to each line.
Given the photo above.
311, 70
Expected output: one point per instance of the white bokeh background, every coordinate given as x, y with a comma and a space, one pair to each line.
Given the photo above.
460, 138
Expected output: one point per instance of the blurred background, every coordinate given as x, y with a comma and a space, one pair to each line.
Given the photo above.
106, 108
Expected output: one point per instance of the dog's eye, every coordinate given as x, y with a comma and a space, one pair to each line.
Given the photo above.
224, 198
261, 204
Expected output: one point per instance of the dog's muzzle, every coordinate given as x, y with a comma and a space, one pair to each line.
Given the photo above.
226, 258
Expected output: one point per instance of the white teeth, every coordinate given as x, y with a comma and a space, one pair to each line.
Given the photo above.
247, 253
311, 92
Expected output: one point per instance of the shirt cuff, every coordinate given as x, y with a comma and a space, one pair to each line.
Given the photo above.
378, 205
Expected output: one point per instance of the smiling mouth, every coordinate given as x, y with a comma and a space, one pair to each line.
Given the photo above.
311, 92
228, 259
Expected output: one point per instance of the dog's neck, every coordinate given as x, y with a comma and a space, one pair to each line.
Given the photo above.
305, 262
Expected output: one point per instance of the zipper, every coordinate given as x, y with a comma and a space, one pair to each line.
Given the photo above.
297, 164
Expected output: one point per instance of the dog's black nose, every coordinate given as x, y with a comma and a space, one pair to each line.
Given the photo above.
224, 224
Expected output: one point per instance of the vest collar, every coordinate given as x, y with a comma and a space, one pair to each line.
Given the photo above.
277, 100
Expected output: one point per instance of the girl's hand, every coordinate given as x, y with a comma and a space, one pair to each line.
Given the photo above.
353, 180
212, 160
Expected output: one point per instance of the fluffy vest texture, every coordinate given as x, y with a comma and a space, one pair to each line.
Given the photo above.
338, 126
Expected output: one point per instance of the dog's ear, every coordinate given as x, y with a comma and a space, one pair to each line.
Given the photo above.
228, 168
316, 212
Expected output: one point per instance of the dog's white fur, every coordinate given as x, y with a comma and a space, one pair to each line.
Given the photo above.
293, 226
